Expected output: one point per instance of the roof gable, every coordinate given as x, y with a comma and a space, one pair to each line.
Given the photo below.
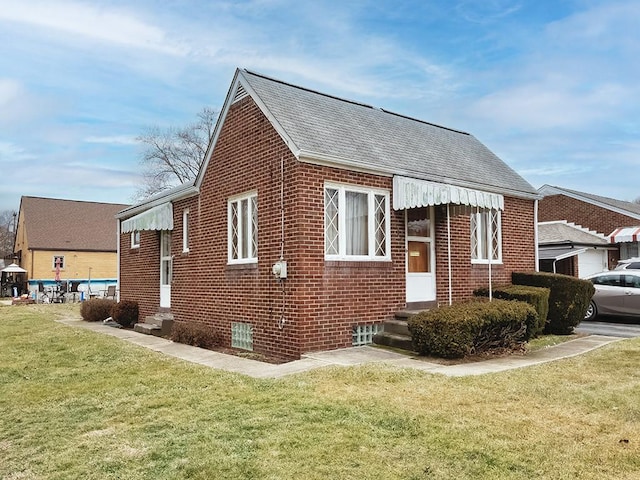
323, 129
619, 206
55, 224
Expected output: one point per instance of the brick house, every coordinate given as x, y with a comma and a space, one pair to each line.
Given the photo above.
618, 221
314, 219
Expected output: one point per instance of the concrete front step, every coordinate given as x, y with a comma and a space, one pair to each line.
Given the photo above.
394, 340
148, 329
158, 325
398, 327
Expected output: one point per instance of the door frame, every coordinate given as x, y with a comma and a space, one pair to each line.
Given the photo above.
421, 287
166, 261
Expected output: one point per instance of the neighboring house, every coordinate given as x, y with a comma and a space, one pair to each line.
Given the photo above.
77, 237
314, 219
572, 250
618, 220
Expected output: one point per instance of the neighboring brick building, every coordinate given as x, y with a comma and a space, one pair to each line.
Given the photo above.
617, 220
314, 219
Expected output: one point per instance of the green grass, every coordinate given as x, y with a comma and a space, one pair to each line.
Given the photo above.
80, 405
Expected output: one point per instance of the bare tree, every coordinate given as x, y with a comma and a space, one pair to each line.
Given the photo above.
637, 200
174, 155
8, 220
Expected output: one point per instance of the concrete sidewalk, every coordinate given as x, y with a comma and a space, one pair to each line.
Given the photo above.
344, 357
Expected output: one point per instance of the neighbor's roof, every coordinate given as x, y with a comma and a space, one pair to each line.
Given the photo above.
320, 128
561, 232
54, 224
630, 209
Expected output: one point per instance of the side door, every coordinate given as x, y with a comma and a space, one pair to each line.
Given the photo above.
631, 303
610, 293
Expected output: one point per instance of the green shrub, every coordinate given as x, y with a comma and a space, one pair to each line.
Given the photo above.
568, 298
96, 309
537, 297
125, 312
472, 327
195, 334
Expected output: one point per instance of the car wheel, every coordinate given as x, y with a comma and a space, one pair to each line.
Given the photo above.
592, 311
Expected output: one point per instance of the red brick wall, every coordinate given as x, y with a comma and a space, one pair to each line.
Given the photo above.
562, 207
518, 250
140, 271
320, 301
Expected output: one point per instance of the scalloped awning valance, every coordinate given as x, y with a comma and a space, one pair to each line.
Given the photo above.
412, 193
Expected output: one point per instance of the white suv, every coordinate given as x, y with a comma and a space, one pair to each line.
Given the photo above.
629, 264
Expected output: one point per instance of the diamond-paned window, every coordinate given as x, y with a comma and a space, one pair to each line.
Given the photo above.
486, 236
356, 223
243, 229
331, 221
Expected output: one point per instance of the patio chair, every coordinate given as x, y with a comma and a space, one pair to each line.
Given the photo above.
110, 292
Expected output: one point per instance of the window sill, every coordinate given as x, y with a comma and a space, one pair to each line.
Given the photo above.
242, 266
359, 264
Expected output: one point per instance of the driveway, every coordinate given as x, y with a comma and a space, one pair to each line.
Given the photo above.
611, 329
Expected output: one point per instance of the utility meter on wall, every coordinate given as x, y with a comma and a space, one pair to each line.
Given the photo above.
279, 269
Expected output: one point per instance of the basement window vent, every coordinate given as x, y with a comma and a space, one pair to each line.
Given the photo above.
240, 94
242, 335
363, 334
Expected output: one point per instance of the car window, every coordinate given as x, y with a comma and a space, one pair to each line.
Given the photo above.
613, 280
632, 281
634, 265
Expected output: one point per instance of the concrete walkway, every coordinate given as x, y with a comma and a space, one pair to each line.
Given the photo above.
344, 357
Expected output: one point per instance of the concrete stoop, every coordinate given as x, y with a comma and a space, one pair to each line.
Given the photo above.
158, 325
395, 332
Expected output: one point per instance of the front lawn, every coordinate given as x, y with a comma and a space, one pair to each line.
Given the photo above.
80, 405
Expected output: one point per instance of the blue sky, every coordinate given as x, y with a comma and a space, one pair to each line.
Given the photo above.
552, 87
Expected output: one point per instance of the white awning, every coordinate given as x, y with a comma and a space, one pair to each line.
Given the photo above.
628, 234
411, 193
159, 217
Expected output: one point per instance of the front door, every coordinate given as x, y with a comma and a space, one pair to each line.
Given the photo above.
421, 282
166, 267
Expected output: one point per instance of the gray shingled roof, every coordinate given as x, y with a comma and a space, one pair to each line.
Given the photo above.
323, 126
561, 232
54, 224
631, 207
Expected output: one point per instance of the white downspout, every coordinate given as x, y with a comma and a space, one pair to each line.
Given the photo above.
535, 237
118, 260
490, 249
449, 254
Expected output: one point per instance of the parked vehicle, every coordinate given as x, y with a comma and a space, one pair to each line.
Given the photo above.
617, 293
629, 263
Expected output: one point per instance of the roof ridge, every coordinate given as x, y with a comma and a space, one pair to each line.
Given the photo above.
70, 200
353, 102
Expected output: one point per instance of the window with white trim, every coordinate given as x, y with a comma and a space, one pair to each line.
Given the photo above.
486, 236
58, 261
243, 228
356, 223
185, 230
135, 239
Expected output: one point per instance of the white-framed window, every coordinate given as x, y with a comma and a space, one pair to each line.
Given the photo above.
58, 261
243, 228
185, 230
486, 236
356, 223
135, 239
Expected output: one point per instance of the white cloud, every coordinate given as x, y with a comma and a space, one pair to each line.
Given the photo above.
113, 139
117, 27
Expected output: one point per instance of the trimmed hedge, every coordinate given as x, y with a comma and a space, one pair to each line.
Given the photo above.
125, 312
96, 309
569, 298
195, 334
472, 327
537, 297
